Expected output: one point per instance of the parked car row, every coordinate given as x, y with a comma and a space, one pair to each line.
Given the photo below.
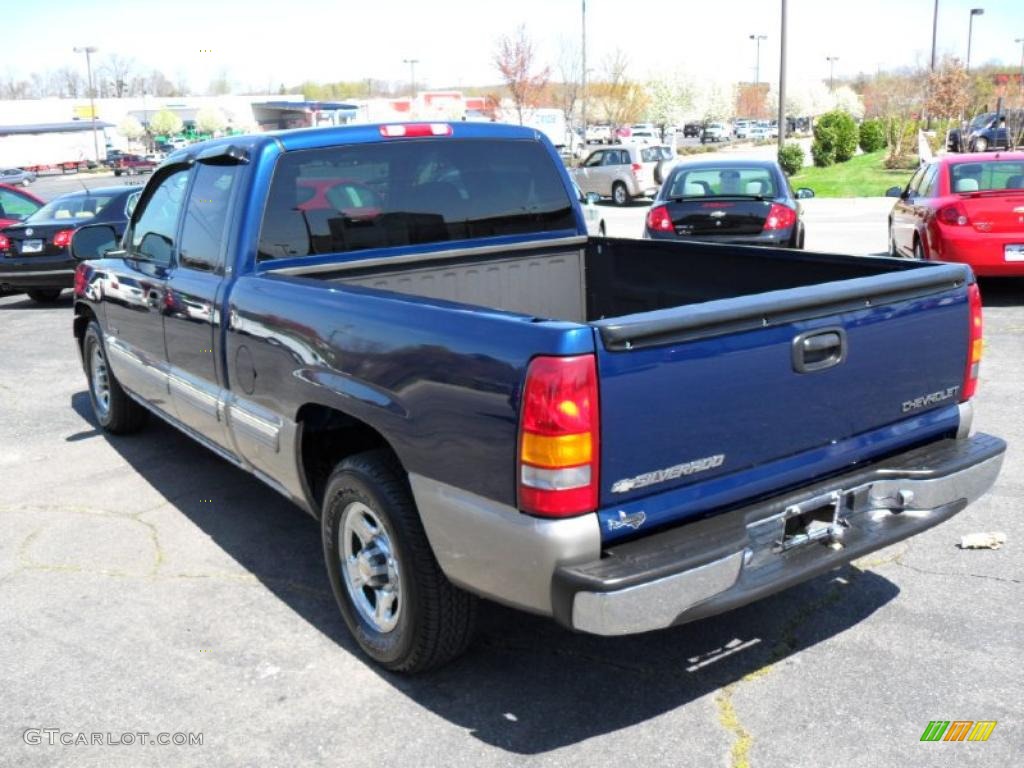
988, 131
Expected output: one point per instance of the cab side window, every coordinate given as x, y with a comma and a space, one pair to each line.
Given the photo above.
206, 216
915, 182
155, 228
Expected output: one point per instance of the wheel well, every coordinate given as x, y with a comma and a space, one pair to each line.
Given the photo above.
328, 436
83, 316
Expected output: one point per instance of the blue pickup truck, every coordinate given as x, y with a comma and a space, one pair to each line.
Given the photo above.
406, 330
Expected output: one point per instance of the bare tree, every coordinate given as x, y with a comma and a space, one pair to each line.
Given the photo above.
570, 67
515, 59
70, 82
118, 70
620, 99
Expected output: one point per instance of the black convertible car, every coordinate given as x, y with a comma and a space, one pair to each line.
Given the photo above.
35, 255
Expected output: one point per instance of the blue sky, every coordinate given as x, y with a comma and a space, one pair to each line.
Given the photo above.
262, 43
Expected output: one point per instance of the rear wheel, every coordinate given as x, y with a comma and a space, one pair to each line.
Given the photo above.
114, 410
980, 144
620, 195
400, 608
44, 295
918, 250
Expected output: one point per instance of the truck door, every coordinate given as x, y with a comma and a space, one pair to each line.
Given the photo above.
136, 290
191, 316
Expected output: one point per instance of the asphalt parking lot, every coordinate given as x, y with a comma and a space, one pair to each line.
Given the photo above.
148, 586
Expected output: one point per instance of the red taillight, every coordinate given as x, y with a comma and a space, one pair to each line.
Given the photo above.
81, 279
63, 238
658, 219
974, 344
637, 168
5, 243
415, 130
558, 443
954, 215
779, 217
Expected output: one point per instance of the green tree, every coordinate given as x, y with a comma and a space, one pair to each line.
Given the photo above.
836, 132
165, 123
210, 120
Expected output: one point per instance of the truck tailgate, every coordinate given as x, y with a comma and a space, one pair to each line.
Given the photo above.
698, 393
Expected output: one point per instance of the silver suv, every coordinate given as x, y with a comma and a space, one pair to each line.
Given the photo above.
624, 172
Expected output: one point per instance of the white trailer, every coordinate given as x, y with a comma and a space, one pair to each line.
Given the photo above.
51, 146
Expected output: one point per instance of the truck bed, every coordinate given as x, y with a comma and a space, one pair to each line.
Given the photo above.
604, 278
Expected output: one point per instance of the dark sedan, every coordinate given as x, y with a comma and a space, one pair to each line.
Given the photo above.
728, 201
35, 256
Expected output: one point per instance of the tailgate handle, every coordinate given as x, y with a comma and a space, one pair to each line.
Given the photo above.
818, 350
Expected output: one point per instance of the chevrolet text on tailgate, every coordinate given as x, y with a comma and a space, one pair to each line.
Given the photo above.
405, 330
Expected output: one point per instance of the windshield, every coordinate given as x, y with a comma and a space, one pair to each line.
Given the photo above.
732, 181
982, 120
982, 177
74, 207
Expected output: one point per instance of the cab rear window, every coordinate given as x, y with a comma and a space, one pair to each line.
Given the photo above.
357, 197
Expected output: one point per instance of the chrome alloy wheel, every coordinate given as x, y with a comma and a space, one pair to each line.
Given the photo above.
368, 567
99, 380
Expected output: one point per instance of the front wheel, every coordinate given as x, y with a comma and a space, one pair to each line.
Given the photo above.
400, 608
44, 295
980, 144
919, 251
114, 410
620, 195
893, 250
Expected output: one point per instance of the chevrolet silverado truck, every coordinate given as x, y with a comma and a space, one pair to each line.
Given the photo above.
406, 330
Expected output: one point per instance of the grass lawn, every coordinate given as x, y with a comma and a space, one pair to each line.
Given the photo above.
860, 176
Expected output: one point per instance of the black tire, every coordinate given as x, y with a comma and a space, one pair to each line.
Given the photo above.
117, 173
980, 144
601, 230
44, 295
435, 620
918, 250
893, 250
121, 415
620, 195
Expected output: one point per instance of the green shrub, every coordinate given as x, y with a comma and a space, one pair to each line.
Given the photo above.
844, 134
872, 135
823, 148
791, 158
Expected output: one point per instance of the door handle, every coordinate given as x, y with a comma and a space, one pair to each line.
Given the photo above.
818, 350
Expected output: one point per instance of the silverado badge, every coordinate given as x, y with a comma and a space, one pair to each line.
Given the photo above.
633, 521
669, 473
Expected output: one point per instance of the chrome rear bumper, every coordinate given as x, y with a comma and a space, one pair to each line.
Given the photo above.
726, 561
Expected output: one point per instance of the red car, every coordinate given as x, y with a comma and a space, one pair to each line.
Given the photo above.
965, 208
16, 205
131, 164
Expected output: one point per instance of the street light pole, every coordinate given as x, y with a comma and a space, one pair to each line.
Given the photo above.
88, 51
412, 76
757, 57
831, 72
782, 79
1021, 41
583, 80
935, 29
970, 33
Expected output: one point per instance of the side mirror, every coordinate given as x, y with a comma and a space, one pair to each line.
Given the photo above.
894, 192
593, 198
93, 242
802, 193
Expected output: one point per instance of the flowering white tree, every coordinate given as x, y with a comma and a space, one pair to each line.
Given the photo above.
131, 128
671, 98
846, 99
715, 101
